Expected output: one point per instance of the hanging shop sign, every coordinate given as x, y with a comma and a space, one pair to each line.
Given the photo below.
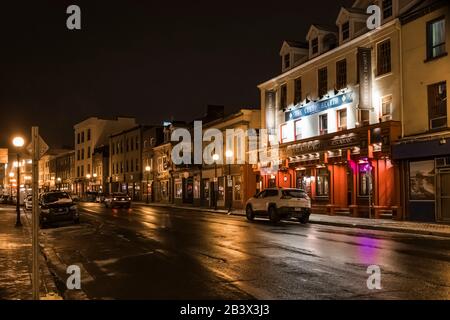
319, 106
365, 78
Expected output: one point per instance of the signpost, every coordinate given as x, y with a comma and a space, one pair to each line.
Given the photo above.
38, 149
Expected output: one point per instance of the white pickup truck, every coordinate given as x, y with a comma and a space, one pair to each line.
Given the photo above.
279, 203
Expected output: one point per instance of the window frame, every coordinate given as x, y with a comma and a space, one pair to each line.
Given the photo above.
339, 124
283, 96
297, 90
384, 63
341, 74
323, 131
345, 31
433, 115
430, 47
322, 81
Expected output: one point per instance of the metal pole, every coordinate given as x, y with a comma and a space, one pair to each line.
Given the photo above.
35, 213
230, 208
18, 222
216, 183
147, 185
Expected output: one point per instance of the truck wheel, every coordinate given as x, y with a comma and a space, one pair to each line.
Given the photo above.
273, 215
249, 213
304, 219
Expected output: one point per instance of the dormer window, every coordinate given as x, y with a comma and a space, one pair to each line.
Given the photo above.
287, 61
345, 31
315, 45
387, 9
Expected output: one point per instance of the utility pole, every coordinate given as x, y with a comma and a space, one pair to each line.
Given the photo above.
35, 212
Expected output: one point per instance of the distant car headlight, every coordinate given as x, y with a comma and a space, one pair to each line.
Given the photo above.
129, 199
115, 199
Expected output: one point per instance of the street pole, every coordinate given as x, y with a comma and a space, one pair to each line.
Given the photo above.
230, 208
216, 183
35, 212
147, 185
18, 222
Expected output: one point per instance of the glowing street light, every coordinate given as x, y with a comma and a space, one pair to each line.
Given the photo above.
18, 142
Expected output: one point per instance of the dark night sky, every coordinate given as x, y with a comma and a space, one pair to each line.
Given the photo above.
150, 60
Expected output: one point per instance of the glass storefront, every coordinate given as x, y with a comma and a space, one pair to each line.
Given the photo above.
237, 188
322, 185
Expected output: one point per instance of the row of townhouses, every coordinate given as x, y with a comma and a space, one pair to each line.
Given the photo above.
358, 116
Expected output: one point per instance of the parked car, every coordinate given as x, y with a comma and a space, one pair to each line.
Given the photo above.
279, 203
57, 206
5, 199
29, 202
100, 198
117, 199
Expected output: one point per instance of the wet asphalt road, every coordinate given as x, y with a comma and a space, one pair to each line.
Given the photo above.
165, 253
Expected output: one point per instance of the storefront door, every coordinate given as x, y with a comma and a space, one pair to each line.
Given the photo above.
444, 196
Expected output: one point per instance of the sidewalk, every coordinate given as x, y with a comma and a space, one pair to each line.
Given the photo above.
15, 259
418, 228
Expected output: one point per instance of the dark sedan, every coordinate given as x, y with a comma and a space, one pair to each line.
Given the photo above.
57, 206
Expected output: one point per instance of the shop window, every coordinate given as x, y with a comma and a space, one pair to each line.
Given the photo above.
221, 189
384, 57
197, 189
437, 105
386, 105
297, 91
364, 180
322, 185
272, 182
89, 135
178, 190
422, 180
283, 97
436, 38
322, 81
206, 189
303, 180
298, 130
341, 74
237, 188
323, 124
342, 119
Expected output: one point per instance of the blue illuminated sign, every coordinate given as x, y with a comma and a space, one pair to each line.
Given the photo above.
319, 106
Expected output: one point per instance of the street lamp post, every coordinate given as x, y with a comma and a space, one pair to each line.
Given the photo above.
18, 142
147, 170
11, 176
229, 155
216, 183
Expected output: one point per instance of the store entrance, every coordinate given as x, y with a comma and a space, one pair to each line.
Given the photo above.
444, 196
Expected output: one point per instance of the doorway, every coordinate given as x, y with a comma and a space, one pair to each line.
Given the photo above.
444, 195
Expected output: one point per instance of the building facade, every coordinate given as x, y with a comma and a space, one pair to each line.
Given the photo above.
65, 171
151, 136
336, 111
89, 135
100, 170
424, 150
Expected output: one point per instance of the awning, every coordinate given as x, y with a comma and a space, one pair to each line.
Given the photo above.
421, 149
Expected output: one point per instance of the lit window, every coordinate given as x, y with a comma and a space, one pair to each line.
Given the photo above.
342, 119
345, 31
323, 185
298, 130
386, 105
436, 38
323, 124
284, 133
437, 105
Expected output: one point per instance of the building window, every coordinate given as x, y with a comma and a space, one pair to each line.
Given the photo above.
89, 152
386, 105
384, 57
283, 97
323, 124
345, 31
88, 169
287, 61
315, 45
342, 119
323, 81
78, 138
82, 154
82, 171
323, 186
137, 165
341, 74
78, 155
436, 38
284, 133
160, 165
298, 130
237, 188
387, 9
437, 105
178, 190
297, 91
89, 135
82, 137
137, 143
78, 171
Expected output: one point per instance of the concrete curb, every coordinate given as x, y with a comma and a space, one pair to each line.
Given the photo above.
321, 222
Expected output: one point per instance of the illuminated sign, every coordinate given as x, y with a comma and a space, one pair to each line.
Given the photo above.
365, 78
319, 106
